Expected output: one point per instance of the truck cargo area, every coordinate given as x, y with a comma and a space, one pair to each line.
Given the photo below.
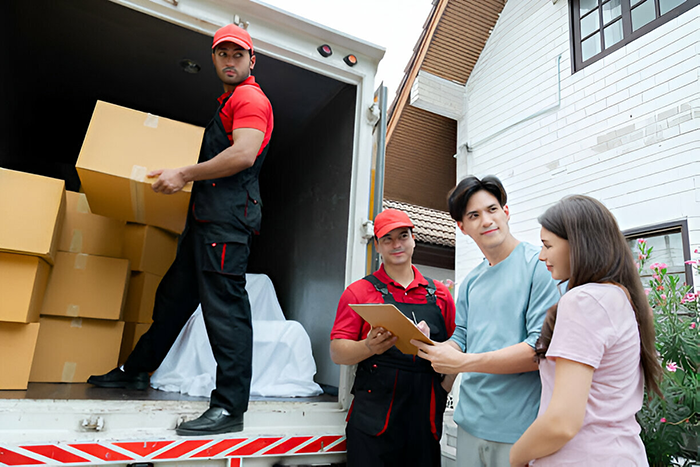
61, 57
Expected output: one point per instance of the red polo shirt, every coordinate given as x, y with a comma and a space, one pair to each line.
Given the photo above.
349, 325
248, 107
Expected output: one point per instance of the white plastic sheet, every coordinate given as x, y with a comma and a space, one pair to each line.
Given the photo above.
283, 365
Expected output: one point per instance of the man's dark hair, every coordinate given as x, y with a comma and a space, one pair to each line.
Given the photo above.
459, 196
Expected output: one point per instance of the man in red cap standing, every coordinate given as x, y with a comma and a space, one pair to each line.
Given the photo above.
396, 416
212, 256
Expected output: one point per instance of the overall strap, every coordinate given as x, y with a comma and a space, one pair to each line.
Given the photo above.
430, 290
380, 286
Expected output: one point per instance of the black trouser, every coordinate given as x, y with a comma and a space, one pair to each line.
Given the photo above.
212, 274
407, 438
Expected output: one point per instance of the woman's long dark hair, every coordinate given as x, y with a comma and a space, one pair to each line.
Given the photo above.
599, 253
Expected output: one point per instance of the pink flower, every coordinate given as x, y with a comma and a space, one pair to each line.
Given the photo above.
663, 420
641, 241
690, 297
656, 276
692, 325
672, 367
661, 287
646, 291
692, 261
697, 251
663, 296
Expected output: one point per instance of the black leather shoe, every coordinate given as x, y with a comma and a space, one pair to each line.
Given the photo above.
120, 379
213, 421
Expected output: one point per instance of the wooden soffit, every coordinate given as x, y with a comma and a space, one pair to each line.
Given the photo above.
453, 37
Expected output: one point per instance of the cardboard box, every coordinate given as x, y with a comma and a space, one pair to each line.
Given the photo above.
86, 286
141, 297
69, 350
123, 145
31, 213
84, 232
132, 334
22, 285
149, 249
17, 344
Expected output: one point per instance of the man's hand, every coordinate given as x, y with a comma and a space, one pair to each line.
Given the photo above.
424, 328
446, 359
379, 340
169, 181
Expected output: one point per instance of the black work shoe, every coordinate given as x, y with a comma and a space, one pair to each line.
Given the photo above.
213, 421
120, 379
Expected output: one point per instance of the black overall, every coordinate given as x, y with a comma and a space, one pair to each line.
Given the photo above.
396, 416
210, 269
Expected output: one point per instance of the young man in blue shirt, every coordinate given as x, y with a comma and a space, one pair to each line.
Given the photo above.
500, 309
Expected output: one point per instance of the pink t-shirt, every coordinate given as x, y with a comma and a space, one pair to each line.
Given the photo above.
596, 326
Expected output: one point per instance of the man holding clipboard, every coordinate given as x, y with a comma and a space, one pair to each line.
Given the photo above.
396, 416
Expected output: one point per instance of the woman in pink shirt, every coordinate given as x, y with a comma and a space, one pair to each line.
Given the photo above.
596, 348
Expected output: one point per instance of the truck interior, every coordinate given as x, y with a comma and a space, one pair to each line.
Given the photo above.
61, 57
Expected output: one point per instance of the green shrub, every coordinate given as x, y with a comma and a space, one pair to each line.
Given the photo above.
671, 425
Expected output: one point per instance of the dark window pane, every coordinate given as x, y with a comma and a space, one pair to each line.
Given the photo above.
668, 5
590, 47
587, 5
590, 23
613, 33
643, 14
668, 249
611, 10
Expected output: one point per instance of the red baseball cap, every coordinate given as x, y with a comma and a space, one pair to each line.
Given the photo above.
390, 219
235, 34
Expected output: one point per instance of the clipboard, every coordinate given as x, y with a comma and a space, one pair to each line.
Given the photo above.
390, 318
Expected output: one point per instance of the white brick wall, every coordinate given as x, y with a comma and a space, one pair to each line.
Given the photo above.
626, 130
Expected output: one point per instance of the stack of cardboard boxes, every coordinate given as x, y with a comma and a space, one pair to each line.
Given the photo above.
68, 259
31, 215
80, 318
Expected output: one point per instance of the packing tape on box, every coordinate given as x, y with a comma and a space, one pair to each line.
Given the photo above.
82, 205
68, 373
136, 185
76, 241
76, 323
151, 121
81, 260
73, 310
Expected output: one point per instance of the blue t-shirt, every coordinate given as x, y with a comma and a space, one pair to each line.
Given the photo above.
499, 306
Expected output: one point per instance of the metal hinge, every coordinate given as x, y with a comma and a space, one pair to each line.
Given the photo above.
93, 423
367, 231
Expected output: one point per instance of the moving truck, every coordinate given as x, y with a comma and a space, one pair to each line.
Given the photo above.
317, 188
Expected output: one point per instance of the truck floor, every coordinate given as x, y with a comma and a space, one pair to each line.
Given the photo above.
84, 391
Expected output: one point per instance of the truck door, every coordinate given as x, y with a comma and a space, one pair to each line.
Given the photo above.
376, 199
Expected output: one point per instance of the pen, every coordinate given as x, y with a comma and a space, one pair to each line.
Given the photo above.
414, 319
